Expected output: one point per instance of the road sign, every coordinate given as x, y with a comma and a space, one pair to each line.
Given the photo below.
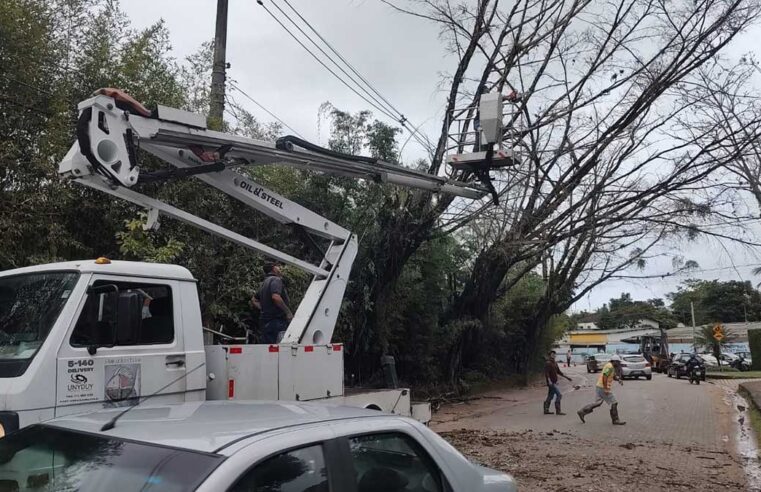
717, 329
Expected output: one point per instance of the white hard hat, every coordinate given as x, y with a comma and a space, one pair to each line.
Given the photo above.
616, 358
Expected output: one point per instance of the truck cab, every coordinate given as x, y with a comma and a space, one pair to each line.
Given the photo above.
93, 334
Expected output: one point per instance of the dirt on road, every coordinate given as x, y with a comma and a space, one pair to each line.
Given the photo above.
678, 437
560, 461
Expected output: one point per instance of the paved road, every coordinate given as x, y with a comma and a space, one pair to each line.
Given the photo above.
677, 430
660, 410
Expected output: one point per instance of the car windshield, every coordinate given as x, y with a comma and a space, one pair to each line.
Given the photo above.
47, 458
29, 306
634, 358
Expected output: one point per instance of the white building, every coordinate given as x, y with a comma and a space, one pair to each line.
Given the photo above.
589, 325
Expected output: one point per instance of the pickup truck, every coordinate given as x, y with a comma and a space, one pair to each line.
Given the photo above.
85, 335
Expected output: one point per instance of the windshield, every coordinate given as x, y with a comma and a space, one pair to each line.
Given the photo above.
47, 458
29, 306
634, 358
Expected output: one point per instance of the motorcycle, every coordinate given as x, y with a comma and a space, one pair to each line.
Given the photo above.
694, 373
740, 364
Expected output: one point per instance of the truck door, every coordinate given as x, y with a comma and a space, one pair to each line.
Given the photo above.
125, 343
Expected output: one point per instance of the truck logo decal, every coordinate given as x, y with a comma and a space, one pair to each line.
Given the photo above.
77, 381
259, 193
78, 378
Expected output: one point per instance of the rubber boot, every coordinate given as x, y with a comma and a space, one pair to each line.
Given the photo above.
557, 408
547, 408
614, 415
587, 410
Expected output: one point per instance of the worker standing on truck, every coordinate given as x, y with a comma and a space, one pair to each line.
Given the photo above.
603, 390
272, 302
551, 373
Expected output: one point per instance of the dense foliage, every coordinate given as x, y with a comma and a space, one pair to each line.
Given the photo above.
627, 313
716, 301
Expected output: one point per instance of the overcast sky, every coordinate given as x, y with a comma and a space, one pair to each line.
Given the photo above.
404, 59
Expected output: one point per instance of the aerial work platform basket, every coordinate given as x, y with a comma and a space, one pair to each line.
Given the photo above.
479, 141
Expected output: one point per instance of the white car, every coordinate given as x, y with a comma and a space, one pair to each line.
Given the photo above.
239, 446
635, 366
709, 360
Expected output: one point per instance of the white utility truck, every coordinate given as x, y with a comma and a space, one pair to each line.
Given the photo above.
83, 335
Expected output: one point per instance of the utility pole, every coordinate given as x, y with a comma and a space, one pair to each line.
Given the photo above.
692, 311
217, 95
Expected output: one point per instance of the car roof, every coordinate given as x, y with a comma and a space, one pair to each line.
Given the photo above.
210, 425
114, 267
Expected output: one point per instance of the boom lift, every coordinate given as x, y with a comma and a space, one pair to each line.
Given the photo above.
75, 336
56, 368
110, 129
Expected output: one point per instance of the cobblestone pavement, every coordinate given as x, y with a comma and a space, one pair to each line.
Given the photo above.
678, 436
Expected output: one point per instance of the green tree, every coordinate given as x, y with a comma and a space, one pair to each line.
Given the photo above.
705, 338
716, 301
624, 312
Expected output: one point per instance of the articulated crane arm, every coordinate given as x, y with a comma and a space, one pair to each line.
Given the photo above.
112, 126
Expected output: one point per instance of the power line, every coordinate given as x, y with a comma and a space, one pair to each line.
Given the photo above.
401, 119
330, 57
387, 109
235, 87
351, 67
26, 84
685, 271
35, 109
323, 63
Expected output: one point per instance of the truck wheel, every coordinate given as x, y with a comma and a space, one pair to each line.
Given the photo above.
649, 377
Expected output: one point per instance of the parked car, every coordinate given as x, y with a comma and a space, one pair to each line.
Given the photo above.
595, 362
678, 367
237, 446
709, 360
635, 366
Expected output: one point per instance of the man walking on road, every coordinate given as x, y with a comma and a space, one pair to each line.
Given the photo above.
551, 373
603, 391
272, 302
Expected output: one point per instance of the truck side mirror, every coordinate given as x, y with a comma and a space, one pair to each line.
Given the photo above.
105, 297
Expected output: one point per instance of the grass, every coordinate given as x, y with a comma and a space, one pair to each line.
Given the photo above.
733, 375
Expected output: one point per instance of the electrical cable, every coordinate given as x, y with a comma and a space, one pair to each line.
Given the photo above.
402, 120
323, 63
235, 87
328, 56
387, 109
351, 67
26, 84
